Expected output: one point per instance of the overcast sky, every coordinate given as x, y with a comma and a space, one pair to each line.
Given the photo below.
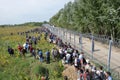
21, 11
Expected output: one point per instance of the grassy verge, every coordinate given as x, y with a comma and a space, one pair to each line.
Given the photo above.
28, 68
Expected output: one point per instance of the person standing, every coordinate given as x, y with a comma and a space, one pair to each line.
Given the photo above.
20, 49
10, 51
81, 58
47, 57
40, 55
108, 76
34, 53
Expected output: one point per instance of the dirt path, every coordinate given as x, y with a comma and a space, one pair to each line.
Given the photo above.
100, 53
101, 50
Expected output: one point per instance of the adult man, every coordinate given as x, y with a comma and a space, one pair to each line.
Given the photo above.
108, 76
10, 51
47, 57
40, 55
20, 48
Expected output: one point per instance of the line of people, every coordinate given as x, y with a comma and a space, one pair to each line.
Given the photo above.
37, 53
85, 70
67, 54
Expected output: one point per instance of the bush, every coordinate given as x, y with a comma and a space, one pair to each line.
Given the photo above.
39, 70
58, 68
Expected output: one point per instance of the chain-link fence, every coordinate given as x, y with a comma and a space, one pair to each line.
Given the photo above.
76, 40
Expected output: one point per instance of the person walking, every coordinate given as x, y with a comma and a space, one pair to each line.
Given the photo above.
48, 57
40, 55
108, 76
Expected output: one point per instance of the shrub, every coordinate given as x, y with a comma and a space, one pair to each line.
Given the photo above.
58, 68
39, 70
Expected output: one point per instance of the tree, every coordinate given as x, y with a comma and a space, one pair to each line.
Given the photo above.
100, 17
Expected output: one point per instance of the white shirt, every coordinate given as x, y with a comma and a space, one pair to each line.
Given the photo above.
75, 54
67, 56
75, 62
99, 71
80, 56
65, 51
24, 45
88, 67
60, 51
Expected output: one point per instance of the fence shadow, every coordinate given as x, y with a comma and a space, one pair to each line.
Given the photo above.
96, 50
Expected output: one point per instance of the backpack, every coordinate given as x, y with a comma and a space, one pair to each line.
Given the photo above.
95, 76
88, 77
40, 53
78, 62
12, 51
84, 61
102, 75
98, 77
47, 54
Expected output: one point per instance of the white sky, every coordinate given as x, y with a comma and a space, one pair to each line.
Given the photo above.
21, 11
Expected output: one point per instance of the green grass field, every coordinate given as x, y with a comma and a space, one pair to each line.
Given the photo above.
28, 68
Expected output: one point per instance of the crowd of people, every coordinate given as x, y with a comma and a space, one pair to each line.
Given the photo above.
83, 67
64, 52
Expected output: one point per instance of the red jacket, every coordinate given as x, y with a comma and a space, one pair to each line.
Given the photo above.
20, 48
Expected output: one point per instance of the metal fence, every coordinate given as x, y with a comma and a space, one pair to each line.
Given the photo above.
75, 39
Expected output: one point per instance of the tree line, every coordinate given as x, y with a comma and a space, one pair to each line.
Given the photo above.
100, 17
24, 24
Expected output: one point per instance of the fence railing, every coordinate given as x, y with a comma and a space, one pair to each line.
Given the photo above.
73, 38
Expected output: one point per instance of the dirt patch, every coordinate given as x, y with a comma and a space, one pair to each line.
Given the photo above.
70, 72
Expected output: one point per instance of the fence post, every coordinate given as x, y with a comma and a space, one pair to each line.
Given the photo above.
109, 55
80, 41
58, 32
66, 35
53, 29
92, 46
63, 34
118, 75
74, 40
70, 36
